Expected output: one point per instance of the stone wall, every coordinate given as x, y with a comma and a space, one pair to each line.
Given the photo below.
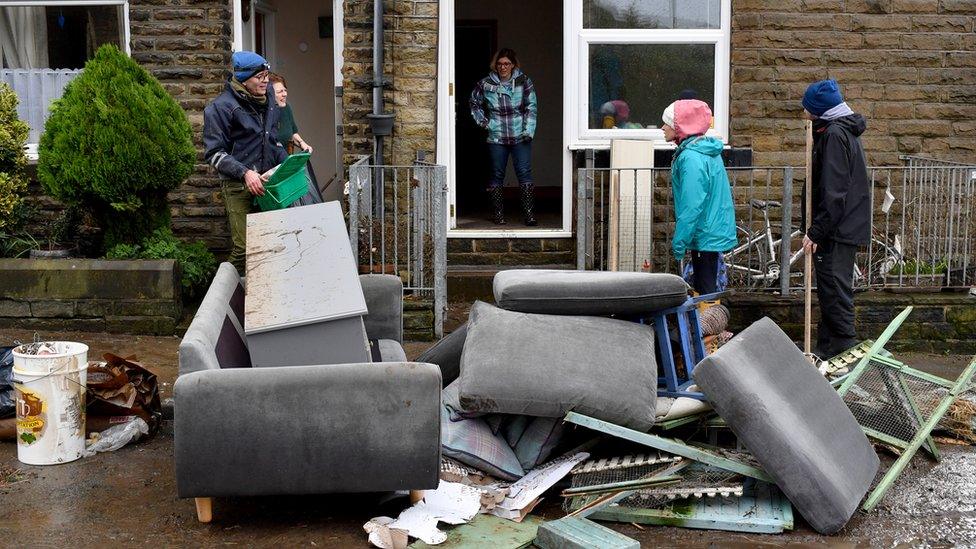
132, 297
410, 69
187, 46
908, 65
940, 321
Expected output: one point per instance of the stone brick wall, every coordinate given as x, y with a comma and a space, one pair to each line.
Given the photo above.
410, 69
133, 297
940, 322
186, 44
908, 65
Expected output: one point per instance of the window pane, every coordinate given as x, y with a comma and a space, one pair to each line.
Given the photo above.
651, 14
644, 79
57, 37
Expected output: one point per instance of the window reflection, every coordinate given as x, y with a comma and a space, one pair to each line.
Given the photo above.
651, 14
630, 85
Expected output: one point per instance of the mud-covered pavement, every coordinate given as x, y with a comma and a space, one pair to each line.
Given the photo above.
129, 497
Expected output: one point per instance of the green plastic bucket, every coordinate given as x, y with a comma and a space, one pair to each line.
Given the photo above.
287, 184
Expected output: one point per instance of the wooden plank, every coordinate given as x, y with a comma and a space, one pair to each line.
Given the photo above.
669, 445
761, 509
489, 531
580, 533
630, 249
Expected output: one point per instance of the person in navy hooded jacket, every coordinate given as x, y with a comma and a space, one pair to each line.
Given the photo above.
841, 212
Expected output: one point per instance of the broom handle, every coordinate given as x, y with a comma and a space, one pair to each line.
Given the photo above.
808, 258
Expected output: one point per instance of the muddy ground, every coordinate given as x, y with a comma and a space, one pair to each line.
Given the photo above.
129, 496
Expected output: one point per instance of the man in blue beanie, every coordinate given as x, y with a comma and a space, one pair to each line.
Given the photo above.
841, 212
240, 129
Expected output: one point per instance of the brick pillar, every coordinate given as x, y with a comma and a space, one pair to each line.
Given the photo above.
188, 48
410, 60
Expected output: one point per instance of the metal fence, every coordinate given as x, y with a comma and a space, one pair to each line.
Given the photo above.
923, 225
397, 226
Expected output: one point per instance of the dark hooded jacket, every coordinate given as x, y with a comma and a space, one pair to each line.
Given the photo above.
241, 135
841, 190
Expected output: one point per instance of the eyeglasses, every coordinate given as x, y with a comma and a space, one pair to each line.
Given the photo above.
504, 64
263, 75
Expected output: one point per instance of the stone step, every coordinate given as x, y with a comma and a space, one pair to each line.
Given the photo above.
467, 283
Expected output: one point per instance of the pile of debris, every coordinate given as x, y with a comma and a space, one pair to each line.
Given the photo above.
629, 359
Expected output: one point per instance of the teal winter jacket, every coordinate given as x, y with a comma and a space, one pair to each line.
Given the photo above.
703, 210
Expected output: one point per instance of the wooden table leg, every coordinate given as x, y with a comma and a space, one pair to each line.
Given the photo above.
204, 509
415, 496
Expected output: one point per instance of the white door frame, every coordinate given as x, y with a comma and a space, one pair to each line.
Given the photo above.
446, 137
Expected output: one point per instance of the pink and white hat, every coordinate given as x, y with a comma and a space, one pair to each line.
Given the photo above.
688, 117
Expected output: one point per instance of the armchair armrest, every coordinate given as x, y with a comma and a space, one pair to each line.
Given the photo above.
307, 429
384, 300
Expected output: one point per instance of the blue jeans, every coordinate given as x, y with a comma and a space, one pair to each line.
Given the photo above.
521, 154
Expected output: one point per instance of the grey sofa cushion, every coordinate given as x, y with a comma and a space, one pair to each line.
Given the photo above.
548, 365
793, 421
597, 293
446, 353
384, 301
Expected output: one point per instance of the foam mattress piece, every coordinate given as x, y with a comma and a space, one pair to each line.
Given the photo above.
548, 365
596, 293
792, 421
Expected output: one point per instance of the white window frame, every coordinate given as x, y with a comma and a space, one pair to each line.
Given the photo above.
577, 48
31, 148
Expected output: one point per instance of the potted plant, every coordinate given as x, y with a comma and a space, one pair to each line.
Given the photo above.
62, 239
114, 145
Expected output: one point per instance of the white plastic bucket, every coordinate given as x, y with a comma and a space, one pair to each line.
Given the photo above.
51, 403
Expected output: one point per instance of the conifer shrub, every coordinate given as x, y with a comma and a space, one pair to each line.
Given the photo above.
114, 145
13, 161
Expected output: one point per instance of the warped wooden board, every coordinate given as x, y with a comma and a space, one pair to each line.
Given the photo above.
489, 531
631, 204
762, 508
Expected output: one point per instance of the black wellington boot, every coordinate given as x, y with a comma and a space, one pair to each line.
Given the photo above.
497, 195
527, 193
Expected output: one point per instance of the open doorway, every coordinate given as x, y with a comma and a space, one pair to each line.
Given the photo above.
480, 29
297, 39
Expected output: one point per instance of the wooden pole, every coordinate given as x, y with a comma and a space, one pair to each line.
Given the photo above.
808, 258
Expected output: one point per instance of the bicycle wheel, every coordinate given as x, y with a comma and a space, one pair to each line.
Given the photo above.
746, 265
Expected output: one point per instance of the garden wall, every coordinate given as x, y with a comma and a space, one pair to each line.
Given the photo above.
940, 321
132, 297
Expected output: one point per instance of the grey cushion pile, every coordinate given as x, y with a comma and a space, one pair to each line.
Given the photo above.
793, 422
548, 365
595, 293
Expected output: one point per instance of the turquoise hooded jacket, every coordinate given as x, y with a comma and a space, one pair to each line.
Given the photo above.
703, 210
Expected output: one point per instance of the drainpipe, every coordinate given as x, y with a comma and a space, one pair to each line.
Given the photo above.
380, 122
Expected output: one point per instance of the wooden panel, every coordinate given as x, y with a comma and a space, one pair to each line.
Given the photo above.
489, 531
630, 205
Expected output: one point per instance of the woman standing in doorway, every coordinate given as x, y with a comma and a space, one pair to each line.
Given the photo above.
504, 103
287, 129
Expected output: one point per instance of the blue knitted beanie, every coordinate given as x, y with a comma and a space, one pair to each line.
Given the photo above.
247, 64
822, 96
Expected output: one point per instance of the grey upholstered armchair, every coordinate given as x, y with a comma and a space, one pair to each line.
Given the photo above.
301, 429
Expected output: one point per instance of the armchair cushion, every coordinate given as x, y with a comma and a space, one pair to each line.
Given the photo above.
548, 365
384, 301
596, 293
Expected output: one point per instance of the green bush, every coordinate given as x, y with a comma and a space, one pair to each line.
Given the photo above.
13, 161
115, 144
197, 264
